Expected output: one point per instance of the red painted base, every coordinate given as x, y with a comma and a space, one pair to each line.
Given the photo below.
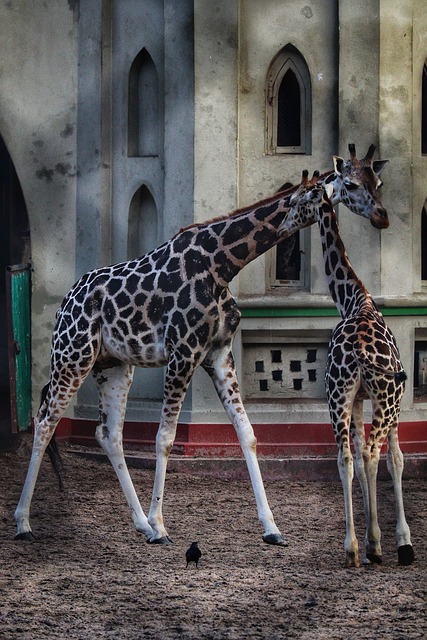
219, 440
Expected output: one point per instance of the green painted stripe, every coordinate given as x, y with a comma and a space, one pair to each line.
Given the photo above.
311, 312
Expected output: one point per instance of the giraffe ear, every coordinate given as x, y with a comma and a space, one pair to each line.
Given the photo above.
329, 190
379, 165
338, 164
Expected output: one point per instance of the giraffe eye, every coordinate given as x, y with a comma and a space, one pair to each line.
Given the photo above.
351, 186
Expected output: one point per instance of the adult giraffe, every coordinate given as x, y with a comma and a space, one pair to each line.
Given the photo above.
363, 362
172, 308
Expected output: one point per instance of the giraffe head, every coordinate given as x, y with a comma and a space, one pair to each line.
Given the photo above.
305, 204
357, 183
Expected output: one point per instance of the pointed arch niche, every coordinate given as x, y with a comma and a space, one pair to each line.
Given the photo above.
288, 104
143, 107
142, 223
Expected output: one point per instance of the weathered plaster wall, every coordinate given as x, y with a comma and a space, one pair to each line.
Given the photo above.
358, 123
419, 173
263, 33
215, 72
38, 124
215, 143
395, 126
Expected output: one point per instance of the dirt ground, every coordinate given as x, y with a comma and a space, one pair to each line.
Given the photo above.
90, 575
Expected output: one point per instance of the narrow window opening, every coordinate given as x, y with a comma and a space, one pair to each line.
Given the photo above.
424, 244
289, 112
424, 112
420, 371
288, 258
259, 366
276, 356
295, 365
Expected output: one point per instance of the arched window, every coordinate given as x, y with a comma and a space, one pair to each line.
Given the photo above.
143, 108
288, 107
424, 242
289, 263
142, 226
424, 112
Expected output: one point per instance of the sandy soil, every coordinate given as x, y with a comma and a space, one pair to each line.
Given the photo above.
90, 575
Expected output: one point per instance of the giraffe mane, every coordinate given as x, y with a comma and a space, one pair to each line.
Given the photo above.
261, 203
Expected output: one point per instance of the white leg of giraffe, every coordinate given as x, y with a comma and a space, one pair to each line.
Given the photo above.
220, 367
43, 431
45, 422
372, 546
113, 388
395, 468
372, 458
346, 472
177, 379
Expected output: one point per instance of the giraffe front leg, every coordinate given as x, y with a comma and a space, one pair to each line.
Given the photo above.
395, 467
177, 379
220, 367
42, 434
164, 443
346, 471
113, 388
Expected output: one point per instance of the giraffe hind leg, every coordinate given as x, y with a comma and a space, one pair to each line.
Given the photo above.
395, 467
221, 369
373, 552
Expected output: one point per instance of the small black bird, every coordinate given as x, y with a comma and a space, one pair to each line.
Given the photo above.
193, 553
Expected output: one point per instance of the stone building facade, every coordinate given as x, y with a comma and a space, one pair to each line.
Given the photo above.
122, 121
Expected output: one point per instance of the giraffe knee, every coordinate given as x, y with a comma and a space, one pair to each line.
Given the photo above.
102, 434
164, 444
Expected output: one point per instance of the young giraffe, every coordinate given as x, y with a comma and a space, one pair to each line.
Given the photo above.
172, 308
363, 362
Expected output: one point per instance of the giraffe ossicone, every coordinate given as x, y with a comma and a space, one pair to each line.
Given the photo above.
363, 363
171, 308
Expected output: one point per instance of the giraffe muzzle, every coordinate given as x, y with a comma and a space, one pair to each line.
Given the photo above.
379, 219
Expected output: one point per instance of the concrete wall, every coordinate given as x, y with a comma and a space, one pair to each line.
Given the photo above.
38, 123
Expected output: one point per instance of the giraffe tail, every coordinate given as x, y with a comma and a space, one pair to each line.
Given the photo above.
400, 376
56, 460
52, 448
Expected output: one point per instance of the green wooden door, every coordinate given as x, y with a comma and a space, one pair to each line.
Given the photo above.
18, 279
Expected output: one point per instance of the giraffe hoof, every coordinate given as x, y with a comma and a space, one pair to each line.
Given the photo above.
165, 540
274, 538
352, 560
406, 554
26, 535
374, 558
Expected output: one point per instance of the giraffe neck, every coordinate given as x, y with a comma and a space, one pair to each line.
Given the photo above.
347, 290
229, 244
232, 242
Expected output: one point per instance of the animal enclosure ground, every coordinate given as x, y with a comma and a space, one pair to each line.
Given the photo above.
90, 575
